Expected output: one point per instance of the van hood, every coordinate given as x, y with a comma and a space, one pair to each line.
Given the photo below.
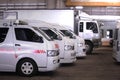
68, 41
52, 45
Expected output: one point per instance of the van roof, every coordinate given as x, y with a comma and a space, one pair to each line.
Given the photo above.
8, 23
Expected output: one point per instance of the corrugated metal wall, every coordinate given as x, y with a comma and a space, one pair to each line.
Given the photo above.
31, 4
102, 10
53, 4
22, 4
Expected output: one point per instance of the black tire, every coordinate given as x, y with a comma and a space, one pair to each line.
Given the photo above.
27, 67
89, 47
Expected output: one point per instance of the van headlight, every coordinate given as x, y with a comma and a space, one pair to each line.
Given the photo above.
80, 44
51, 53
68, 47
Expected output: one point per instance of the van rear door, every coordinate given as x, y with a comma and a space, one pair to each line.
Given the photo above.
6, 49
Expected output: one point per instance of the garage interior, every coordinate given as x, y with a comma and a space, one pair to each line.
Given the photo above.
104, 12
97, 66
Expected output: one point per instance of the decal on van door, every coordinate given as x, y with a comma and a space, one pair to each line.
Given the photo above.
2, 49
40, 51
56, 46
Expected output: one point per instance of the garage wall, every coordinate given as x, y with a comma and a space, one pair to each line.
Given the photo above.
108, 25
31, 4
22, 4
102, 10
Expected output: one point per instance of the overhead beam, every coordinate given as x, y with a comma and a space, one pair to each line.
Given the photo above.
72, 3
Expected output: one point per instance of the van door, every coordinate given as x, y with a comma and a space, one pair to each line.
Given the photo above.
6, 49
28, 45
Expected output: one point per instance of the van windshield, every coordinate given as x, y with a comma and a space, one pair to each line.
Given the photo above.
58, 32
66, 33
72, 32
43, 33
49, 32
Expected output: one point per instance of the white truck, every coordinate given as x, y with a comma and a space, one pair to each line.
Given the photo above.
61, 17
26, 50
116, 43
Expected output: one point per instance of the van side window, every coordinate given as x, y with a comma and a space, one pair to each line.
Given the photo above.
24, 34
3, 33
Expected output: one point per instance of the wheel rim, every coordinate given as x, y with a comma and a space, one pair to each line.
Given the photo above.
27, 68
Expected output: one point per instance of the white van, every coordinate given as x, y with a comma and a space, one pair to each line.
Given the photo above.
80, 47
116, 43
26, 49
66, 46
67, 52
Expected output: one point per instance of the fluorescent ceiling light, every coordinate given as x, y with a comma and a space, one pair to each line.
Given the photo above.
79, 7
104, 17
95, 0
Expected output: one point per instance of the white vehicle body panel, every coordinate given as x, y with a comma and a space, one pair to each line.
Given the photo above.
61, 17
13, 50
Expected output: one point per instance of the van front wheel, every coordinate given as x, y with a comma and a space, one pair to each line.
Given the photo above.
26, 67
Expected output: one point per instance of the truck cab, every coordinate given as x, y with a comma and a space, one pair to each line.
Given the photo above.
89, 30
25, 49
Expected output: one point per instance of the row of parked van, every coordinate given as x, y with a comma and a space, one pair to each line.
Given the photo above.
26, 49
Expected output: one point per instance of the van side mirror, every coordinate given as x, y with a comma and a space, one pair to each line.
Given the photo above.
56, 37
59, 37
73, 37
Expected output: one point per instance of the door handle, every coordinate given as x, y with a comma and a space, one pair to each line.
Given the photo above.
17, 44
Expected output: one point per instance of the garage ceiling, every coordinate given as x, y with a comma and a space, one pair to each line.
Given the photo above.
97, 7
93, 2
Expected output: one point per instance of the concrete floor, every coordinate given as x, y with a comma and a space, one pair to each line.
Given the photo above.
98, 66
